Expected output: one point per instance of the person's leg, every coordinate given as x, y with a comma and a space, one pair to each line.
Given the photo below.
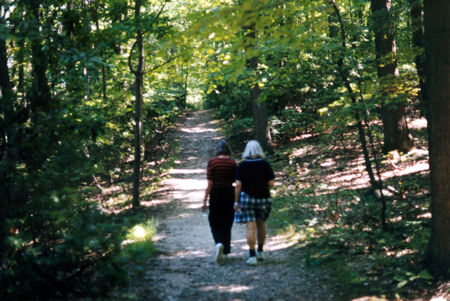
226, 236
228, 219
251, 241
217, 232
261, 238
216, 215
264, 206
214, 227
261, 232
251, 235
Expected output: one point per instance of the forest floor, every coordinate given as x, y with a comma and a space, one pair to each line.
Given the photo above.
185, 269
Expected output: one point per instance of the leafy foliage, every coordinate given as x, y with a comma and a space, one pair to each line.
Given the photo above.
337, 230
66, 129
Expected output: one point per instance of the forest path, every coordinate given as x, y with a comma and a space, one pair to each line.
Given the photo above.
185, 270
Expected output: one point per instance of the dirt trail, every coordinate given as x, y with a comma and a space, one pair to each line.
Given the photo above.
186, 269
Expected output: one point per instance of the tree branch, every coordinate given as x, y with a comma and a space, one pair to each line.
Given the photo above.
341, 23
130, 65
165, 63
129, 58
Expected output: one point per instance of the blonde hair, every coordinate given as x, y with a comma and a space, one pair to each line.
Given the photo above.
253, 150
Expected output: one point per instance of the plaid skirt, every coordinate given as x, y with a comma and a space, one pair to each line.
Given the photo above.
253, 209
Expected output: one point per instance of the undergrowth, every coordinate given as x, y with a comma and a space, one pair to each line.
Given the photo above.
339, 231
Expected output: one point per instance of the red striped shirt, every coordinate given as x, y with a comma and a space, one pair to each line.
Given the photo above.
221, 171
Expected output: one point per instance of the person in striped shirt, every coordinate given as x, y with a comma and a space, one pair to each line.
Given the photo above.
220, 175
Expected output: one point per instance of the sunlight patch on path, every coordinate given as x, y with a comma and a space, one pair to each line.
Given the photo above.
280, 242
186, 171
186, 184
186, 268
197, 130
234, 288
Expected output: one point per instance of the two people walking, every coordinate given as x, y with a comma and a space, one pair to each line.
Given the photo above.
248, 202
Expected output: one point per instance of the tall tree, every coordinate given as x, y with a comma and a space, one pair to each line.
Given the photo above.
396, 133
138, 87
261, 128
8, 151
418, 40
40, 97
334, 30
437, 35
139, 71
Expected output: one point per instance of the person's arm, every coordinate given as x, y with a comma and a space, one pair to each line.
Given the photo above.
207, 192
237, 194
270, 175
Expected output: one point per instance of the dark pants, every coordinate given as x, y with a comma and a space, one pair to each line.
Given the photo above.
221, 215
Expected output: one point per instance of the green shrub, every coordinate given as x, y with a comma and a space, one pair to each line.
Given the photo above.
75, 254
138, 245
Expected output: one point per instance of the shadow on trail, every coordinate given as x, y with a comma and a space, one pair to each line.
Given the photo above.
185, 269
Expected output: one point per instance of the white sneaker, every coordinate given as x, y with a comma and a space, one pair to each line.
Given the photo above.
252, 260
219, 253
260, 256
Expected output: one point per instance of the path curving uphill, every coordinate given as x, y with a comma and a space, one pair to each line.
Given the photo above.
185, 270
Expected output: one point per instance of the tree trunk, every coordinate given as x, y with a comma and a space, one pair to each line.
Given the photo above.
40, 90
418, 41
21, 75
261, 128
334, 30
8, 154
185, 90
396, 133
260, 120
139, 82
437, 34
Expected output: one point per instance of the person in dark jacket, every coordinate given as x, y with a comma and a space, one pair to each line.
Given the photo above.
254, 177
220, 174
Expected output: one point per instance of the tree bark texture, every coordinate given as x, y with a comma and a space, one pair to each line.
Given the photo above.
6, 162
40, 98
260, 120
437, 34
261, 128
334, 31
139, 82
418, 41
395, 127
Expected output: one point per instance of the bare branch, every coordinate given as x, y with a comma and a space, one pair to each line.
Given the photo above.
130, 65
165, 63
160, 11
341, 23
129, 58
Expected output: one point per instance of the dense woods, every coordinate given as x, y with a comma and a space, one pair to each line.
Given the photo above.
89, 90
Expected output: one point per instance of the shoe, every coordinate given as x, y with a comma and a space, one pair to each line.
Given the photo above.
219, 253
260, 256
252, 260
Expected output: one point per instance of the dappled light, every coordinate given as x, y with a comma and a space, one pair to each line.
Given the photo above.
176, 171
186, 240
139, 232
197, 130
111, 110
234, 288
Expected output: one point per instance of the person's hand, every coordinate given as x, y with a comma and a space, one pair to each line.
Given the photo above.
237, 206
204, 207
